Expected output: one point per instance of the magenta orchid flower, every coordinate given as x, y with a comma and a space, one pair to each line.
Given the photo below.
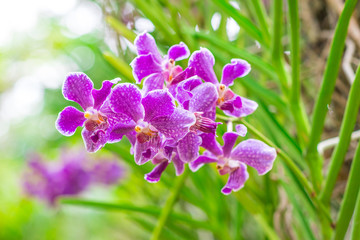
98, 119
153, 118
69, 177
234, 161
202, 62
154, 68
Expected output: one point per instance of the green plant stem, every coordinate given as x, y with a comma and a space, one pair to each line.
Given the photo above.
232, 49
276, 45
326, 90
120, 28
347, 126
169, 204
243, 21
120, 65
298, 110
355, 233
288, 162
349, 200
262, 17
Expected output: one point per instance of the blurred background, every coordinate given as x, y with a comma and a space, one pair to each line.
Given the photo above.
41, 41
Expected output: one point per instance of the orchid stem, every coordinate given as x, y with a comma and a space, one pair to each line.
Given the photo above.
169, 204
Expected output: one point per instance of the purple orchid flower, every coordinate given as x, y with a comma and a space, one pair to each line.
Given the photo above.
98, 119
234, 161
153, 118
166, 154
106, 172
202, 103
48, 182
155, 68
71, 176
201, 63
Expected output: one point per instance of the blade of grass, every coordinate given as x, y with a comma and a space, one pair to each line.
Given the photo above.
326, 90
349, 200
243, 21
298, 110
355, 233
169, 204
256, 61
347, 127
149, 210
119, 65
120, 28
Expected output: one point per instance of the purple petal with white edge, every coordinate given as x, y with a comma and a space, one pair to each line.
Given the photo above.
202, 61
247, 108
241, 130
154, 81
144, 152
145, 65
178, 164
121, 129
236, 181
179, 52
200, 161
176, 125
204, 98
229, 142
101, 94
77, 87
68, 120
126, 98
236, 69
145, 44
209, 143
188, 147
94, 140
256, 154
157, 103
155, 174
183, 89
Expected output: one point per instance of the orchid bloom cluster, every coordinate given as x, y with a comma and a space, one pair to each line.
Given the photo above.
71, 176
171, 116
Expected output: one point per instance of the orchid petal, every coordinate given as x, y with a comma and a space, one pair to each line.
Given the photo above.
256, 154
179, 52
126, 98
94, 140
68, 120
101, 94
229, 142
204, 98
188, 147
155, 174
241, 129
209, 143
145, 44
176, 125
157, 103
145, 65
200, 161
202, 61
236, 69
154, 81
236, 181
247, 108
178, 164
77, 87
